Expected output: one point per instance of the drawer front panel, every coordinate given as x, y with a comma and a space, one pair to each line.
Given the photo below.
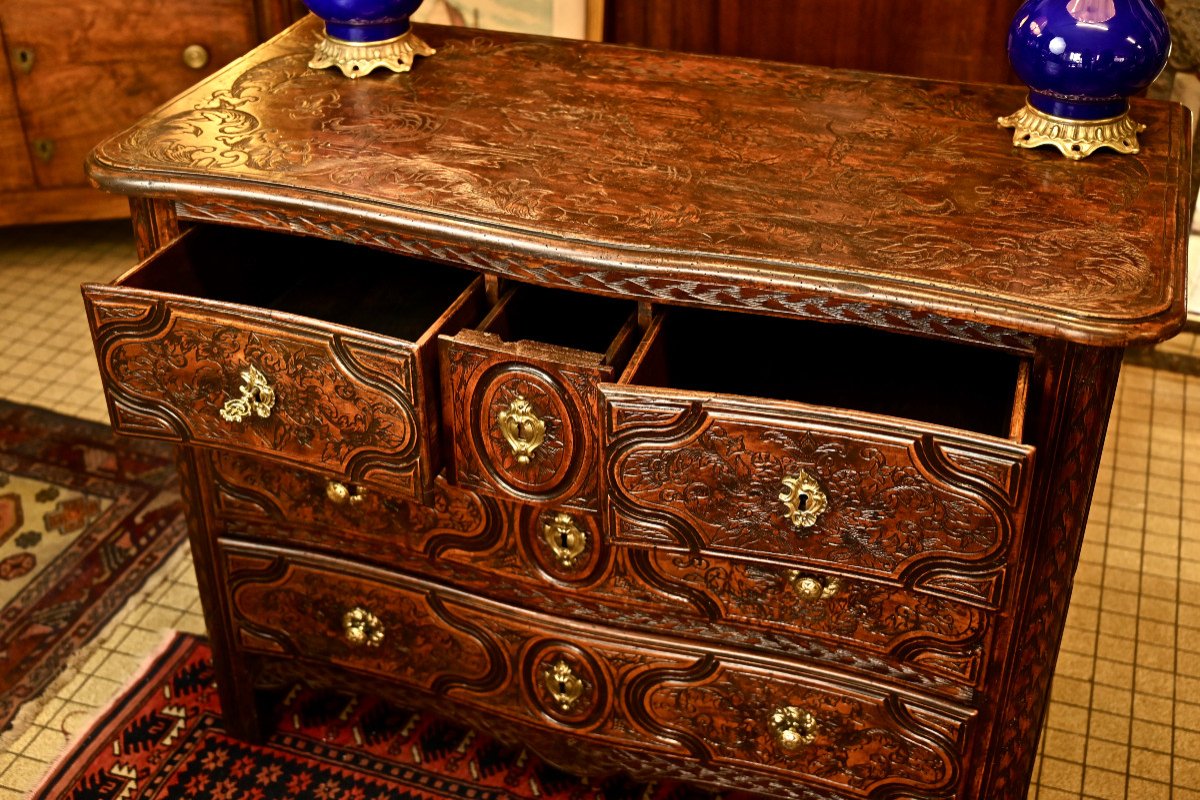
518, 554
523, 419
177, 370
847, 494
937, 634
661, 698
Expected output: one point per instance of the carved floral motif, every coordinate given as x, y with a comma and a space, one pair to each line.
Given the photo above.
563, 156
713, 481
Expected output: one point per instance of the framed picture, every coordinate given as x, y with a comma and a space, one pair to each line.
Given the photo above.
576, 19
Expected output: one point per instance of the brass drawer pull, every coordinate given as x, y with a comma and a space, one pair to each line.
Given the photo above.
522, 429
563, 684
564, 538
792, 728
810, 587
342, 494
257, 398
361, 627
804, 498
195, 56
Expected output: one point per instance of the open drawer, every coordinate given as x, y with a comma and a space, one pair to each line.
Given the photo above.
820, 446
521, 393
303, 350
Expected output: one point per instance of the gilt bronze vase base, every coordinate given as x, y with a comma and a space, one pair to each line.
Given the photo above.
356, 59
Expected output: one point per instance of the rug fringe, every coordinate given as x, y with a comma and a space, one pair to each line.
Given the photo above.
26, 717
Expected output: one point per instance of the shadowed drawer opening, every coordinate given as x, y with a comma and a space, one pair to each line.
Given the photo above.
564, 319
841, 366
344, 284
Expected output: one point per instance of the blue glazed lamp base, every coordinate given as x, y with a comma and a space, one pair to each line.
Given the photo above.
1074, 138
356, 59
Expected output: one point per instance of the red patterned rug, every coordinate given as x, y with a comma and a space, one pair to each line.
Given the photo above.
85, 517
163, 739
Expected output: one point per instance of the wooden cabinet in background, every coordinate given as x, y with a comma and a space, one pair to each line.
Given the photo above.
943, 39
77, 70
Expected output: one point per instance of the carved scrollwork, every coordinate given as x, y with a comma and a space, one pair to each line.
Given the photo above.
713, 481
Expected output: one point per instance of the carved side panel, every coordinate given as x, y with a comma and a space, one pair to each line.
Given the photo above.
171, 369
1080, 385
523, 425
712, 476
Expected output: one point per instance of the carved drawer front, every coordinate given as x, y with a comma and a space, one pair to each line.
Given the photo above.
945, 637
520, 393
549, 559
303, 350
691, 709
934, 508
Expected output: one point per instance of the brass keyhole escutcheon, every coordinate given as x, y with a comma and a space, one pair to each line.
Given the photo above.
810, 587
361, 627
564, 538
804, 499
521, 428
564, 685
792, 728
22, 59
342, 494
257, 398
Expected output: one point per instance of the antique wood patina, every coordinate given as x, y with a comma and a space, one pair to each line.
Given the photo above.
689, 417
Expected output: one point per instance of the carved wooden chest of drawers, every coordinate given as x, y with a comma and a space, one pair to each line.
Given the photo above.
694, 418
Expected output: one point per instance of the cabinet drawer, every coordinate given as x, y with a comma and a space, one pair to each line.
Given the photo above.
520, 393
303, 350
751, 724
545, 559
846, 491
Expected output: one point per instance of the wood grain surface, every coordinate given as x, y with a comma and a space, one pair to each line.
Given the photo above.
797, 190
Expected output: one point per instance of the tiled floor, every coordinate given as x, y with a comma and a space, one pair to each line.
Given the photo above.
1125, 716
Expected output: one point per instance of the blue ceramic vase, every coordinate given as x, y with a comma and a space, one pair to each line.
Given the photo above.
1082, 60
363, 35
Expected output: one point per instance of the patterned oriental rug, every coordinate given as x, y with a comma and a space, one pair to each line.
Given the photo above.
85, 517
163, 739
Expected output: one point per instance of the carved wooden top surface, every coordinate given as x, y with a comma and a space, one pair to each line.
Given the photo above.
718, 174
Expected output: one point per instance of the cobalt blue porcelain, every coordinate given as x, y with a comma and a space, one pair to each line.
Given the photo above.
364, 21
1082, 59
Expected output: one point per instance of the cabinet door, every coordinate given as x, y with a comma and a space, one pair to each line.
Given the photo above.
15, 172
97, 65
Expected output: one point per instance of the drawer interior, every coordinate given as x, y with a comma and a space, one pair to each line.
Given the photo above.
565, 319
344, 284
933, 381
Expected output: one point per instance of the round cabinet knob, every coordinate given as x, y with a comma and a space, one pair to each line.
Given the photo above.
521, 428
564, 538
258, 398
811, 587
195, 56
804, 499
361, 627
792, 728
564, 686
341, 494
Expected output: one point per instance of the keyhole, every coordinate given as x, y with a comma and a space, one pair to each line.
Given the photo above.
564, 540
802, 502
562, 686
